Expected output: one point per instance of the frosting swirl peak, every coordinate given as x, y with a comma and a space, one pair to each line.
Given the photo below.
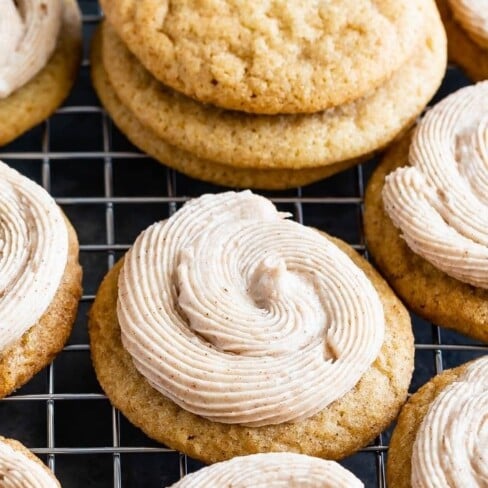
440, 202
241, 316
28, 34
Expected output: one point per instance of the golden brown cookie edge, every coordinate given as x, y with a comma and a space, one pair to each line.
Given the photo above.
125, 19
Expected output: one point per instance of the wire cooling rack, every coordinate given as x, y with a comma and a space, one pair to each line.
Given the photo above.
111, 192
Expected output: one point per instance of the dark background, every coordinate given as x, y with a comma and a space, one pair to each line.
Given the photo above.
111, 193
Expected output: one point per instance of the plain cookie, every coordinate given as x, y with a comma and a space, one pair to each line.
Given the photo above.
286, 56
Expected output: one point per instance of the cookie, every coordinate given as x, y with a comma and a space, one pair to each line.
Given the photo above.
338, 430
399, 467
15, 458
286, 57
280, 142
470, 56
44, 340
41, 279
429, 292
39, 98
273, 469
187, 163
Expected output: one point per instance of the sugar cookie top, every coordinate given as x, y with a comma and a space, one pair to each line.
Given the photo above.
33, 253
450, 448
272, 470
18, 469
273, 56
440, 202
241, 316
28, 34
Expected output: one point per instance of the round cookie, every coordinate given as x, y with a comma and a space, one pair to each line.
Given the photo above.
471, 57
39, 98
399, 466
273, 470
21, 449
45, 339
187, 163
282, 142
271, 57
429, 292
335, 432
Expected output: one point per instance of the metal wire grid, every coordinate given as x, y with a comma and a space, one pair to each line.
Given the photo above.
172, 198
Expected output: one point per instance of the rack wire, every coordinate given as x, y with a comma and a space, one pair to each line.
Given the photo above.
335, 205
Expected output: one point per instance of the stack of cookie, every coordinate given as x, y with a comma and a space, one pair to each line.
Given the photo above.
270, 94
466, 23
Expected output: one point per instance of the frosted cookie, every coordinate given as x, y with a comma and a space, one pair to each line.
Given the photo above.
20, 468
272, 470
283, 142
426, 216
271, 57
40, 279
291, 343
39, 58
440, 437
466, 24
149, 142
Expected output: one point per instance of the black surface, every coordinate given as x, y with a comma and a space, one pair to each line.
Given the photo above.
88, 423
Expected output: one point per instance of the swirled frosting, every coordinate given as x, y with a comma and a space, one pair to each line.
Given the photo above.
472, 15
33, 253
440, 202
28, 34
272, 470
451, 446
18, 471
241, 316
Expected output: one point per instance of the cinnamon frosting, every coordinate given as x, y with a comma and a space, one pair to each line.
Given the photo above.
19, 471
33, 253
440, 202
472, 15
272, 470
241, 316
451, 447
28, 34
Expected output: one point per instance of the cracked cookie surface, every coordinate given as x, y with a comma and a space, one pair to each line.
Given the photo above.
274, 56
